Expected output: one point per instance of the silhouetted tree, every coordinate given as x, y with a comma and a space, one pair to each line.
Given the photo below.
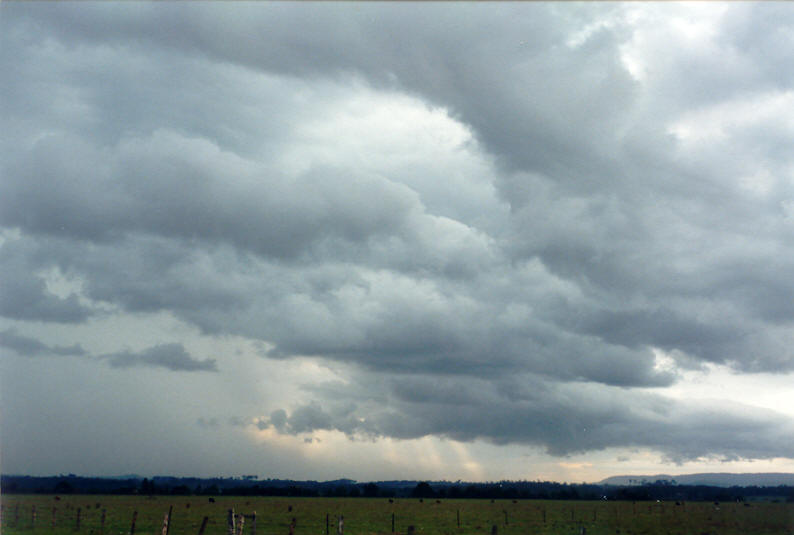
423, 490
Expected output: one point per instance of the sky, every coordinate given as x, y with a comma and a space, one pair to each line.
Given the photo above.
472, 241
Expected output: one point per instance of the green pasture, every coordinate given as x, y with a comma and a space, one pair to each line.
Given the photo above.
374, 516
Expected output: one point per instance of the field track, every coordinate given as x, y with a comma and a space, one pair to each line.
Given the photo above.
363, 516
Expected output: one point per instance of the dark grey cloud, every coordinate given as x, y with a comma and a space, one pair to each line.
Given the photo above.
24, 294
102, 200
152, 167
170, 356
29, 347
563, 419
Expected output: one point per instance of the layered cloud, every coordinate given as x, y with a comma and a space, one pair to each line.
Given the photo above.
170, 356
502, 220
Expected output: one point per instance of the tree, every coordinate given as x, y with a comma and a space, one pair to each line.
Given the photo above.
423, 490
371, 490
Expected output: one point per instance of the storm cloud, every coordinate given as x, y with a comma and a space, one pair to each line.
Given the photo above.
513, 223
170, 356
27, 346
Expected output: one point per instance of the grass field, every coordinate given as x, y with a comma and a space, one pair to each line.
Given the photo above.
374, 516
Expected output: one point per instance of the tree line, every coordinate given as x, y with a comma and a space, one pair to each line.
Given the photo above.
515, 490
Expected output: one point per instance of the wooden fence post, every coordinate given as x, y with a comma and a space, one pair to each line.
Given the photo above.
102, 523
240, 524
458, 517
253, 523
54, 517
326, 524
77, 526
392, 522
134, 518
32, 517
165, 524
203, 525
168, 524
341, 529
230, 522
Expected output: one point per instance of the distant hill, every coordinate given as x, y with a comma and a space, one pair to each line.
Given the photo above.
711, 479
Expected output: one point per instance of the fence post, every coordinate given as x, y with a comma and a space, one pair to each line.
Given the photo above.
168, 525
134, 518
230, 522
240, 524
494, 530
341, 528
102, 523
458, 517
77, 526
54, 517
505, 512
392, 522
16, 516
203, 525
165, 524
32, 517
326, 525
253, 523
